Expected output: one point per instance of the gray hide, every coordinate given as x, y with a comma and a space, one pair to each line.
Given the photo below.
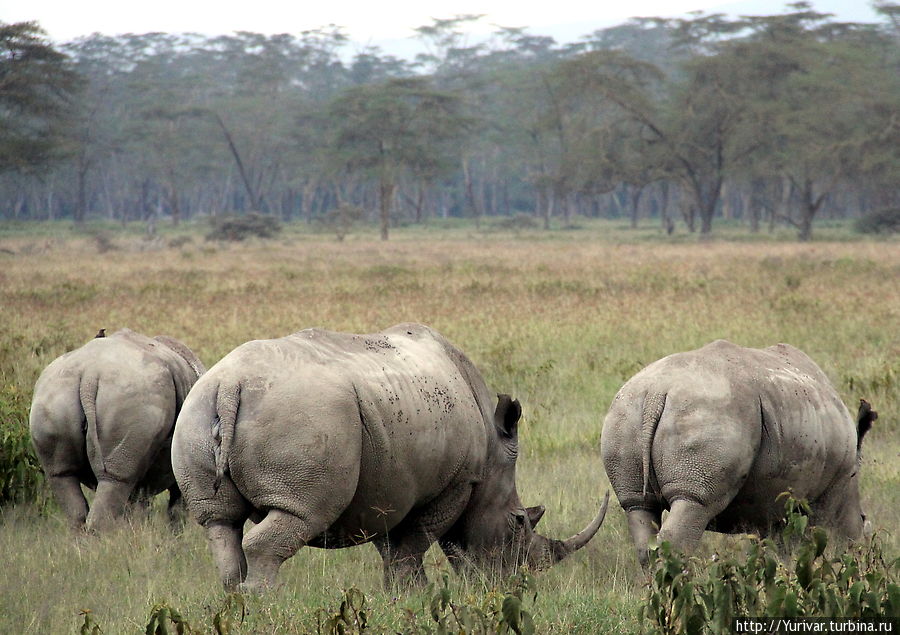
333, 440
715, 435
103, 415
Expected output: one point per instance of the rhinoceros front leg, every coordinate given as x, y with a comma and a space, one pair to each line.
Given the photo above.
643, 524
402, 555
109, 503
67, 492
403, 549
278, 537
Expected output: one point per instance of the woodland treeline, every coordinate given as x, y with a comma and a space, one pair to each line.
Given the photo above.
768, 119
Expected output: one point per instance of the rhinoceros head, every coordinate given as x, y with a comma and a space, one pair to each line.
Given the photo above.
496, 532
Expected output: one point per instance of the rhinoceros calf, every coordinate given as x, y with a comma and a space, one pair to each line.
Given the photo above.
715, 435
103, 415
333, 440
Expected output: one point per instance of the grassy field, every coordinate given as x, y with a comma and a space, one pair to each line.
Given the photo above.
559, 319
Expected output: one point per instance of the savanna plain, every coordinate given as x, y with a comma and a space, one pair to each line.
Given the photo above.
558, 319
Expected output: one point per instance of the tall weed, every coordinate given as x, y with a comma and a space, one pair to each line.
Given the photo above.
21, 478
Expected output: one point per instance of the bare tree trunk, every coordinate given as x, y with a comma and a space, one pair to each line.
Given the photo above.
255, 199
688, 211
727, 208
752, 205
783, 208
810, 206
471, 201
547, 201
306, 199
387, 188
420, 200
566, 202
174, 203
81, 200
665, 220
635, 200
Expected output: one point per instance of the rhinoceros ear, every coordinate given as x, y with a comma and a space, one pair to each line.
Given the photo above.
507, 415
535, 514
864, 421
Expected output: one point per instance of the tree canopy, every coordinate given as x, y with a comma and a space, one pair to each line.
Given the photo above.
784, 117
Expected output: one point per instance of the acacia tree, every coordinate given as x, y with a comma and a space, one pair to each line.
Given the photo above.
829, 109
401, 125
36, 85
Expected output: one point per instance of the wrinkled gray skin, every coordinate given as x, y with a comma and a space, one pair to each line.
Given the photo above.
333, 440
103, 415
716, 434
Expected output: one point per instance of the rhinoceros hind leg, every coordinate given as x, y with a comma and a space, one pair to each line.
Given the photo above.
278, 537
68, 495
643, 524
225, 545
685, 524
109, 503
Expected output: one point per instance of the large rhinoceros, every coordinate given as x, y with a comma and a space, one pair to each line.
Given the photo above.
716, 434
334, 439
103, 415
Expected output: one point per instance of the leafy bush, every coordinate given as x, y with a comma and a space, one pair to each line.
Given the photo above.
496, 612
21, 477
351, 616
238, 228
687, 595
163, 616
883, 221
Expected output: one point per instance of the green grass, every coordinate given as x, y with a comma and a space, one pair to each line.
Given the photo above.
558, 319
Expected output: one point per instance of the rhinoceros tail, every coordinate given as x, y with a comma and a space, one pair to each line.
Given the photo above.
87, 395
227, 402
653, 408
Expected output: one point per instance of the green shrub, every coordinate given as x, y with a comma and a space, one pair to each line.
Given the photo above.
509, 611
687, 595
238, 228
883, 221
162, 616
21, 477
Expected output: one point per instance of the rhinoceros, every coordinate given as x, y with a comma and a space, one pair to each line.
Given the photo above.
334, 439
715, 435
103, 415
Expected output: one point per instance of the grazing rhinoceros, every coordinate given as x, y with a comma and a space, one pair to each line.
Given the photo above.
333, 440
103, 415
715, 435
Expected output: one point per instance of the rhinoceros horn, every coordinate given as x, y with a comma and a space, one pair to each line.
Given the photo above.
559, 549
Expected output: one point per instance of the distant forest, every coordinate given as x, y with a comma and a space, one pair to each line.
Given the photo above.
778, 119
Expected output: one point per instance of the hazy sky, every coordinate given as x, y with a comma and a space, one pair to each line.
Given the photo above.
369, 22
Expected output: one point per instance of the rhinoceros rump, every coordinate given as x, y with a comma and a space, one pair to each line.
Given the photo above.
715, 435
333, 440
102, 416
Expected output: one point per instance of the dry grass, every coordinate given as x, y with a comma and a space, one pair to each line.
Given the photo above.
560, 322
